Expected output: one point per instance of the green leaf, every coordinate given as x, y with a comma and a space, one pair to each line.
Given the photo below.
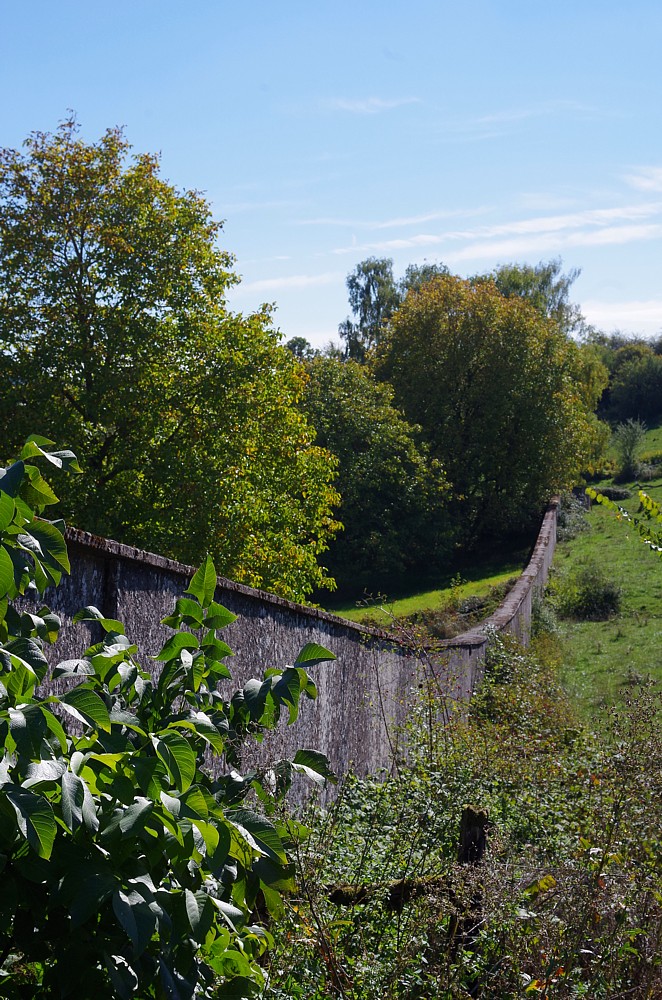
175, 644
52, 545
87, 706
203, 584
201, 724
262, 832
72, 800
200, 913
36, 446
7, 508
178, 756
316, 765
218, 616
6, 572
35, 819
311, 654
92, 614
43, 772
28, 728
187, 612
287, 691
11, 479
135, 917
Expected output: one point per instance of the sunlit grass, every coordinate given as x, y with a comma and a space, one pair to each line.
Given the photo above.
378, 610
601, 658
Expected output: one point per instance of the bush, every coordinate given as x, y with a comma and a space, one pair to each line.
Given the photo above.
628, 439
566, 900
126, 868
589, 596
615, 493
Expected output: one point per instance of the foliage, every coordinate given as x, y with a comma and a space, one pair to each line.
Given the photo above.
115, 337
628, 441
503, 397
590, 594
567, 897
373, 296
126, 868
545, 287
393, 495
636, 389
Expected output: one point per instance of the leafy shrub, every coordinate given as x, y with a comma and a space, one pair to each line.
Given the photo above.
566, 901
126, 868
616, 493
589, 595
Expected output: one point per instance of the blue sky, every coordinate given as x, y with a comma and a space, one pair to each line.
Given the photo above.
473, 133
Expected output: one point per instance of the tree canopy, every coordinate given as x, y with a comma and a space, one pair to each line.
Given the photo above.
115, 338
394, 495
503, 397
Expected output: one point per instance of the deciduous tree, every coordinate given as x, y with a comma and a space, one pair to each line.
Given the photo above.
394, 495
115, 337
500, 393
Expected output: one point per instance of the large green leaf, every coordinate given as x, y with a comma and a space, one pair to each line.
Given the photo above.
7, 508
6, 572
87, 706
135, 917
37, 446
175, 644
315, 765
11, 479
263, 833
218, 616
313, 653
35, 819
200, 913
51, 542
92, 614
178, 756
203, 584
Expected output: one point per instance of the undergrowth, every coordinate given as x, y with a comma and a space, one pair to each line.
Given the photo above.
567, 901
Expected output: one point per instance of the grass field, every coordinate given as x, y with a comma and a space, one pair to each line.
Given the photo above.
599, 658
477, 583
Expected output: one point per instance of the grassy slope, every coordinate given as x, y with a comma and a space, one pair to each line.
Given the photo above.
599, 657
478, 583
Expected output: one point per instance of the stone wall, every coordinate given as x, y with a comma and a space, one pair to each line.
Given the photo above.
363, 695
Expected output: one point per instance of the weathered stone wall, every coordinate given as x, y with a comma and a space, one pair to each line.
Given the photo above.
363, 694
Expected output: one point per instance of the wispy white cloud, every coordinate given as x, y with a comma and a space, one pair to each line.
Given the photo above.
290, 281
551, 243
637, 315
400, 222
645, 179
511, 115
369, 105
585, 228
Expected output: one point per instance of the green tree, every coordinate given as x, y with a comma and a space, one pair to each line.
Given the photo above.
394, 496
545, 287
501, 394
636, 388
115, 337
373, 296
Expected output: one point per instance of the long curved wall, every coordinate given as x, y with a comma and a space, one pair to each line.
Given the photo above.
363, 695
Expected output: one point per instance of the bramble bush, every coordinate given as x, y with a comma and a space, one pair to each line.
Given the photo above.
126, 868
